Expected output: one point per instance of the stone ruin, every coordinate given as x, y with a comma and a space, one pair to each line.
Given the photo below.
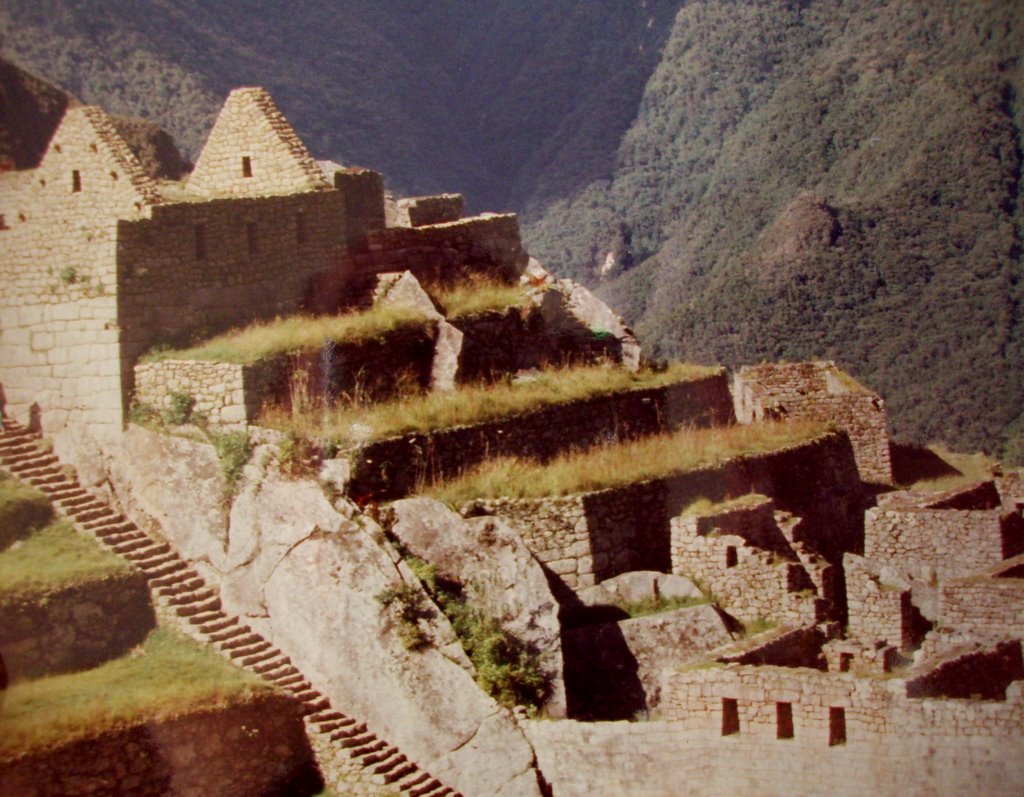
894, 629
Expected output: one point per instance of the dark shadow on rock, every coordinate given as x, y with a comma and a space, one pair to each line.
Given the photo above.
916, 463
601, 679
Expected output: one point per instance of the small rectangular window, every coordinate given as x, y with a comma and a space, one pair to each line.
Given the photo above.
200, 242
730, 716
730, 556
300, 228
246, 166
76, 181
783, 720
252, 237
836, 725
3, 223
845, 660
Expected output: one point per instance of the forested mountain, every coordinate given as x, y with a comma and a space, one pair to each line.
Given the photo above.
835, 178
746, 179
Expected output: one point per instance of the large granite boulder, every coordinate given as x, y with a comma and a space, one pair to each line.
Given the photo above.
488, 557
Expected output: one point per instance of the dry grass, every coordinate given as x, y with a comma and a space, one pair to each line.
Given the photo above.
54, 557
965, 469
166, 677
704, 506
477, 295
620, 464
264, 339
472, 404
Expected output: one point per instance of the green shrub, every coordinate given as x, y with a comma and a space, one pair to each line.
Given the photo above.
234, 449
180, 409
409, 605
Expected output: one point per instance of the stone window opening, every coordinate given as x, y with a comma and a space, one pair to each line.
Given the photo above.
200, 242
252, 237
76, 181
246, 166
730, 716
845, 661
731, 559
836, 726
3, 223
783, 720
300, 228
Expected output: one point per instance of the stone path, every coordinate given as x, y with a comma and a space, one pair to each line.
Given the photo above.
345, 749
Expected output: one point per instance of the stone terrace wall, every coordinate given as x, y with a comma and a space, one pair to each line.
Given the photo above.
394, 467
76, 628
255, 748
894, 748
593, 536
421, 211
942, 543
201, 267
984, 605
876, 610
815, 391
228, 394
749, 581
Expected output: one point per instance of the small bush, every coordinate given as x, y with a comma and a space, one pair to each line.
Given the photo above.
179, 410
410, 606
234, 449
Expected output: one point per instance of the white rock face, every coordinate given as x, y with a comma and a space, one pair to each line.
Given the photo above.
305, 574
489, 558
639, 585
402, 289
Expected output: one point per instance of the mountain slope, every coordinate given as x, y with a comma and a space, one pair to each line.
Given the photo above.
835, 179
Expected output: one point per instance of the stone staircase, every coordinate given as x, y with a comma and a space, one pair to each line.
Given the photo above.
346, 750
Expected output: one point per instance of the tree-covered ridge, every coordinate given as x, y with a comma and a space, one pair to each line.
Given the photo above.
835, 179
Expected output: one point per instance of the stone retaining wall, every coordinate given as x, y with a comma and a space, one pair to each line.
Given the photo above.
586, 538
936, 543
394, 467
421, 211
253, 748
877, 611
984, 605
75, 628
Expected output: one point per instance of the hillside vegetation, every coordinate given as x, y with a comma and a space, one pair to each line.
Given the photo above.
837, 179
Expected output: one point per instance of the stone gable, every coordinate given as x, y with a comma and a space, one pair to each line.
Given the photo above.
254, 151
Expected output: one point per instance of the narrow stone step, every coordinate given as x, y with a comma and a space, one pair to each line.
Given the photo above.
399, 770
356, 740
26, 469
135, 542
89, 517
264, 657
43, 479
365, 751
73, 499
432, 788
250, 650
191, 611
331, 725
221, 625
167, 570
107, 519
179, 587
154, 561
273, 673
290, 681
176, 576
153, 550
228, 631
329, 716
240, 641
415, 777
347, 733
205, 617
269, 665
115, 531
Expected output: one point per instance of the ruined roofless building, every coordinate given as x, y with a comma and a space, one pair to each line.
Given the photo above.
100, 261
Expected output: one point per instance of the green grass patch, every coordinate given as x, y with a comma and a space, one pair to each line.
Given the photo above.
479, 295
53, 557
265, 339
620, 464
165, 678
22, 510
961, 470
475, 403
652, 605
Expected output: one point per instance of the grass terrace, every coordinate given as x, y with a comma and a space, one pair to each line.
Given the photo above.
477, 295
475, 403
264, 339
167, 677
22, 510
55, 556
620, 464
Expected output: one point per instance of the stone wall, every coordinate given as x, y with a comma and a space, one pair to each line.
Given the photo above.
394, 467
819, 391
877, 611
586, 538
750, 582
363, 194
939, 747
253, 748
935, 543
74, 628
984, 605
421, 211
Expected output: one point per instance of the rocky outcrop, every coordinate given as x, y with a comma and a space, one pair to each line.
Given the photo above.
489, 558
305, 574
